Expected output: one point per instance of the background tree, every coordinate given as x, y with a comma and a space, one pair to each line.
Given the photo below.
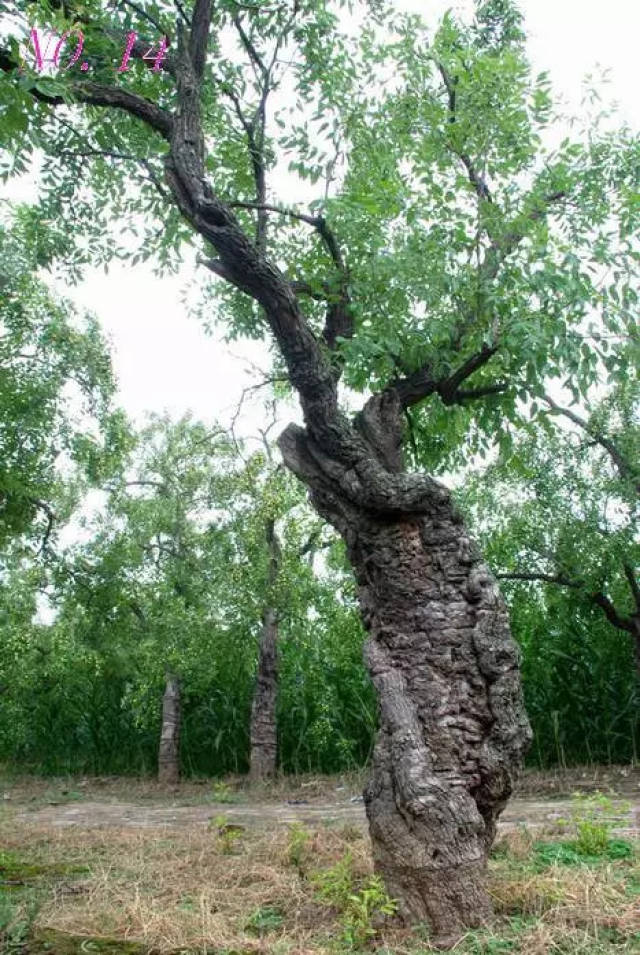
57, 425
182, 554
445, 277
560, 510
148, 576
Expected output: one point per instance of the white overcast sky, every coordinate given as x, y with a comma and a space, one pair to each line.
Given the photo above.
165, 362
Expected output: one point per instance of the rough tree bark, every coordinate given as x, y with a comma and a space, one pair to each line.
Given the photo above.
264, 731
452, 725
169, 749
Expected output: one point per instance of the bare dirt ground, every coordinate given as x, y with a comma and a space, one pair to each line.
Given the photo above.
531, 812
95, 803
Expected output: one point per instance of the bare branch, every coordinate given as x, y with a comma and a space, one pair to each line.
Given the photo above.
138, 612
255, 129
256, 60
145, 15
559, 579
319, 223
51, 519
108, 154
275, 553
422, 383
448, 389
632, 576
96, 94
339, 322
476, 180
146, 483
597, 597
249, 389
281, 210
503, 246
473, 394
181, 11
610, 612
216, 266
625, 470
415, 387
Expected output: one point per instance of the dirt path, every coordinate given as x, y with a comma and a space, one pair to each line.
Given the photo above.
532, 812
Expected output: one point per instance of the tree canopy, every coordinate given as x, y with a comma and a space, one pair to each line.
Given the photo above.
443, 246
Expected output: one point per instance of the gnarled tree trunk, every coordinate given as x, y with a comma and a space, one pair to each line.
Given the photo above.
453, 730
264, 730
169, 749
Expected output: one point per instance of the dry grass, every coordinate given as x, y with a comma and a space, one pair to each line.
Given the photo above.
572, 908
181, 890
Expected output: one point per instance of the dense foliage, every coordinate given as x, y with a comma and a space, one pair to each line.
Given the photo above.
57, 429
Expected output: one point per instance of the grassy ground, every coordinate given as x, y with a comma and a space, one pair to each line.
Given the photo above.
574, 889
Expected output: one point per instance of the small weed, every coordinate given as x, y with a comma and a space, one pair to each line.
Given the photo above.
335, 885
363, 907
593, 817
593, 837
14, 871
264, 920
17, 916
228, 834
360, 906
297, 850
593, 822
222, 792
351, 833
227, 841
482, 944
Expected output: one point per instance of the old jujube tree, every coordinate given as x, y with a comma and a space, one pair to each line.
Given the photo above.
438, 268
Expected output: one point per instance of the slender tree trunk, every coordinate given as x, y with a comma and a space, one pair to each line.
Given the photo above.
635, 635
263, 710
264, 731
169, 749
452, 727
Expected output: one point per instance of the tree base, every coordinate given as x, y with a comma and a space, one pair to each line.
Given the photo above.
451, 901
